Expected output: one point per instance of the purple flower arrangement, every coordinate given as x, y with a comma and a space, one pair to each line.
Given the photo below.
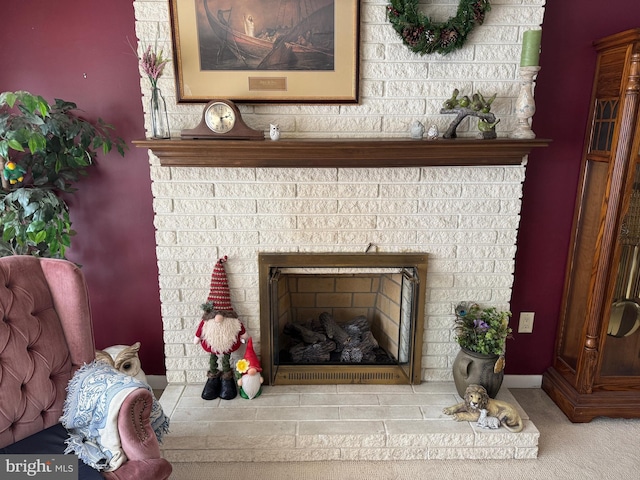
482, 330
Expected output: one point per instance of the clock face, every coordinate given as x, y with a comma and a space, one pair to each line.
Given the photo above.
220, 117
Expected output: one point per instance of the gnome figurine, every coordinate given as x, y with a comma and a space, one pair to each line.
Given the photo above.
249, 370
220, 333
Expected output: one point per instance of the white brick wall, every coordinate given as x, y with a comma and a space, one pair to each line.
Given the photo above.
466, 218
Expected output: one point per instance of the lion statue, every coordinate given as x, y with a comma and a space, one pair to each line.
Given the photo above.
476, 399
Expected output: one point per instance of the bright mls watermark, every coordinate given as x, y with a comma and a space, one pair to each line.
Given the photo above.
50, 467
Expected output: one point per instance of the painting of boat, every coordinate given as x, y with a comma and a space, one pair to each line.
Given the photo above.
294, 38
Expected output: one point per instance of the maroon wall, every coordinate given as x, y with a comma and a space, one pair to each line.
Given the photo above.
78, 50
562, 94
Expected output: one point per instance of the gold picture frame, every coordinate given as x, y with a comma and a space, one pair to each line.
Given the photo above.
271, 51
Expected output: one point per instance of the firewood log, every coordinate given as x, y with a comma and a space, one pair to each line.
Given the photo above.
334, 331
303, 333
369, 339
355, 334
351, 354
361, 322
359, 349
318, 352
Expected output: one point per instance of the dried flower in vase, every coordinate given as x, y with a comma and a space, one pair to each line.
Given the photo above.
152, 64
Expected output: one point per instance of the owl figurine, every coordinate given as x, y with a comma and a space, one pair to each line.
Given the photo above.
432, 133
274, 131
124, 358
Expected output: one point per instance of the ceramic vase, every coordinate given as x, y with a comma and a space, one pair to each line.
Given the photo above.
476, 368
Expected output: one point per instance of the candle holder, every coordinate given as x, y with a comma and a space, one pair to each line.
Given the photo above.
525, 104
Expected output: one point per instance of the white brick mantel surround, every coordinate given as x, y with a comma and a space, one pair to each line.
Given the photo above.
464, 217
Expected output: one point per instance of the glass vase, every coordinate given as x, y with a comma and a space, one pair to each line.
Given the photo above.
159, 117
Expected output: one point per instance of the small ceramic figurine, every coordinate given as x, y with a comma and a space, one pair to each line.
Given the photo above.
14, 173
486, 129
476, 399
417, 130
274, 131
432, 133
124, 358
485, 421
249, 373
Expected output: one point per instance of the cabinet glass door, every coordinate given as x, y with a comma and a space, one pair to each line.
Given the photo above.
621, 355
585, 250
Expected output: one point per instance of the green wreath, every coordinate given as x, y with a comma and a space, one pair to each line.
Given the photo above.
423, 36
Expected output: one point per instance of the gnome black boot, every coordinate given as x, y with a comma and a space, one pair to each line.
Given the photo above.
212, 388
228, 390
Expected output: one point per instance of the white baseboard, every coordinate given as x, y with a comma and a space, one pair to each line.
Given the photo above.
522, 381
157, 382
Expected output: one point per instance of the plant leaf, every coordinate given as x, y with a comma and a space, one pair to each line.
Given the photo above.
37, 142
40, 236
9, 98
16, 145
30, 209
8, 233
65, 240
37, 226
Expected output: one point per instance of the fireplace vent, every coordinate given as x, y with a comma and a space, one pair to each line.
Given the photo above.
323, 377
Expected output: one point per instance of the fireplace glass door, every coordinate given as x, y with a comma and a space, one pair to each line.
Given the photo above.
337, 323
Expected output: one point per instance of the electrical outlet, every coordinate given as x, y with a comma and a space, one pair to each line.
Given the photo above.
526, 322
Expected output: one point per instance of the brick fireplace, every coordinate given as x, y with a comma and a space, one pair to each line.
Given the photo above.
319, 189
343, 177
457, 201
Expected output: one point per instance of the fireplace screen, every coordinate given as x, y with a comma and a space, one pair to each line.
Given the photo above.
342, 318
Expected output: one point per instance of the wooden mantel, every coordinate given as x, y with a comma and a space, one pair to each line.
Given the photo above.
349, 153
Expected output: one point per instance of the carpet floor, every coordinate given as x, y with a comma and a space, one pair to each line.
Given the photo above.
601, 450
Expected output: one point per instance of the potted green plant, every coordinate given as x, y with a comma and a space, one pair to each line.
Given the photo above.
482, 334
44, 149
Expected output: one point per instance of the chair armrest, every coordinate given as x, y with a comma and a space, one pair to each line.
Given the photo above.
138, 439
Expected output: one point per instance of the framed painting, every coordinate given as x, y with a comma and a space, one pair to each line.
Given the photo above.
277, 51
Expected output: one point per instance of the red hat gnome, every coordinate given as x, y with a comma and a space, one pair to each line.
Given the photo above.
250, 381
220, 333
219, 293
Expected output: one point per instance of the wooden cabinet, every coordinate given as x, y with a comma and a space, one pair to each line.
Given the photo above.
596, 369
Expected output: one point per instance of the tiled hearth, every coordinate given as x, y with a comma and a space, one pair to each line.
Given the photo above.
334, 422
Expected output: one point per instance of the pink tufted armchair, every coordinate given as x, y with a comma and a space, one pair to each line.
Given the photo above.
46, 334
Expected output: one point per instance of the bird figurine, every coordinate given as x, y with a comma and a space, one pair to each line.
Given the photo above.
432, 133
485, 126
274, 131
13, 173
452, 102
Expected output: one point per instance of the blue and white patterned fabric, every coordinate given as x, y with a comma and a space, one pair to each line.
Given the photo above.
90, 414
